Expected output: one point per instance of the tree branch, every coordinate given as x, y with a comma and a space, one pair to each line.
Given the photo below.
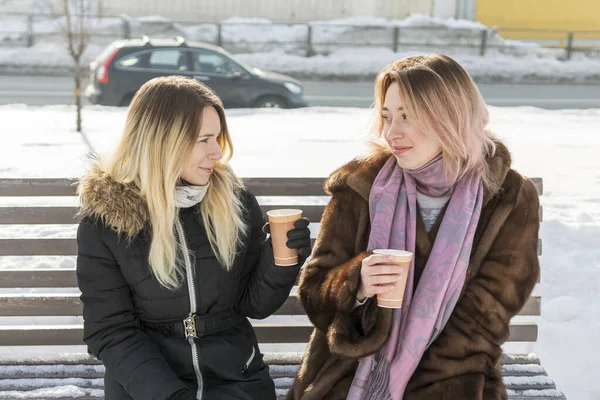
83, 30
69, 28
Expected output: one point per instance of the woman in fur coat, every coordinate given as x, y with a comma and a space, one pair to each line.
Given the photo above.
441, 186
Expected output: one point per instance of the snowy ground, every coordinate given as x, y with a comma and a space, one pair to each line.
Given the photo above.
560, 146
347, 49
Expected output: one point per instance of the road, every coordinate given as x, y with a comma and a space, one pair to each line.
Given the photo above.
39, 90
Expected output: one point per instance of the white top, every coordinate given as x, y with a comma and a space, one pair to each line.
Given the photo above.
430, 208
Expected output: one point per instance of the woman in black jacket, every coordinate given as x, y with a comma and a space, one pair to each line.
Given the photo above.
172, 257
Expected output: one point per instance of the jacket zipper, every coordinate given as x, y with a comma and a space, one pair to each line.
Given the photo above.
193, 306
247, 365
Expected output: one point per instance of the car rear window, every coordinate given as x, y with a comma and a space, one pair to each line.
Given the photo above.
131, 61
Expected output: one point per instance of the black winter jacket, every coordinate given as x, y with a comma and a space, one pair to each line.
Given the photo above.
125, 308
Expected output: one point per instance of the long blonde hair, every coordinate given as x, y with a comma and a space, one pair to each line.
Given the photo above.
160, 131
442, 101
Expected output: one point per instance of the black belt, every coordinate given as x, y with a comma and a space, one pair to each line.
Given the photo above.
196, 326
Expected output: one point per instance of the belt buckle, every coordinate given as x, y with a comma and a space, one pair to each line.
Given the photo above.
189, 325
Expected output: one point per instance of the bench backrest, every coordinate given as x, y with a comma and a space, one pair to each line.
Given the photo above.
288, 191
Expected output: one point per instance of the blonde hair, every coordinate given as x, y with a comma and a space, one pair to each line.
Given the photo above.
441, 101
161, 129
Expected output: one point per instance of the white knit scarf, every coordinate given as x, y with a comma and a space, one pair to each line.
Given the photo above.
189, 195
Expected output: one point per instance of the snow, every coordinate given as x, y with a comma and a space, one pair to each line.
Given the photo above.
527, 380
15, 371
529, 369
249, 21
283, 382
284, 370
12, 384
52, 393
347, 48
44, 58
536, 393
559, 146
520, 359
364, 62
41, 358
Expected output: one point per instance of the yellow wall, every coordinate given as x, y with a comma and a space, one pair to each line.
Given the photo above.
562, 15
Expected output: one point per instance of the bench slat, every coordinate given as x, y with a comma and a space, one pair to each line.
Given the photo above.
38, 247
522, 383
65, 335
70, 305
281, 393
548, 394
66, 247
285, 186
37, 187
85, 371
30, 305
34, 381
270, 357
258, 186
18, 385
44, 396
48, 247
282, 382
38, 215
523, 370
67, 215
38, 278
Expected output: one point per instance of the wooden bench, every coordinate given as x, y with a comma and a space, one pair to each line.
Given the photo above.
80, 375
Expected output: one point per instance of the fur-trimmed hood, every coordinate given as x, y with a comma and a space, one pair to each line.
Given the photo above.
120, 206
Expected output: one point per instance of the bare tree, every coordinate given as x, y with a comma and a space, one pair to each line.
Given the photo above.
79, 15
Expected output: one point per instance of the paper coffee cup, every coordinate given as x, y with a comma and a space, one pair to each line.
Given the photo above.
394, 298
280, 222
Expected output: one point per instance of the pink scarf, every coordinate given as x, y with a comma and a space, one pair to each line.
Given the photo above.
393, 212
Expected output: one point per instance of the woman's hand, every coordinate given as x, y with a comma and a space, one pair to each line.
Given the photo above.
378, 274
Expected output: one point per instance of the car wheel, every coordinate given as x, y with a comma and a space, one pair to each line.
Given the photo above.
126, 100
270, 102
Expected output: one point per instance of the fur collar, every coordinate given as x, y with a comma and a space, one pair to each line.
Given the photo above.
119, 206
360, 173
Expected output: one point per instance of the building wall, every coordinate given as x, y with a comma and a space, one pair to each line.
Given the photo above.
445, 8
573, 15
16, 6
275, 10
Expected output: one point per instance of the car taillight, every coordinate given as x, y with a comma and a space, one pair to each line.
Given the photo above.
102, 72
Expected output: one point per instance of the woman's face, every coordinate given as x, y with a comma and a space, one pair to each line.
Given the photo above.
411, 148
206, 151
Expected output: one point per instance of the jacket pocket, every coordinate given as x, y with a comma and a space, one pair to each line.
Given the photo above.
230, 356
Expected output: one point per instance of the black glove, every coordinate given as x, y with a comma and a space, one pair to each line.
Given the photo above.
298, 237
183, 394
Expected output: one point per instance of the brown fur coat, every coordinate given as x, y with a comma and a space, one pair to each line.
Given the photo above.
464, 362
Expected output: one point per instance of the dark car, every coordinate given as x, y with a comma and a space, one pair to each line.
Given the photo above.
125, 65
